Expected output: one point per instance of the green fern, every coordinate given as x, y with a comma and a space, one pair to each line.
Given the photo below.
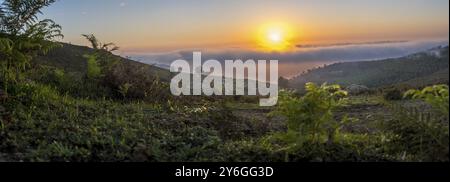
23, 36
312, 114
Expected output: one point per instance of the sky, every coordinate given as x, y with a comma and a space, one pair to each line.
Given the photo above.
168, 25
301, 34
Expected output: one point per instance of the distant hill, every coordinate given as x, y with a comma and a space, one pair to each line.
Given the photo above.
417, 70
70, 58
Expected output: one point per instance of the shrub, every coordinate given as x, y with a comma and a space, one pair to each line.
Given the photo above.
93, 68
393, 94
437, 96
311, 114
73, 84
309, 118
134, 81
47, 75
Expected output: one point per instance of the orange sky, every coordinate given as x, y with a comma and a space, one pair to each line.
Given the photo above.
162, 25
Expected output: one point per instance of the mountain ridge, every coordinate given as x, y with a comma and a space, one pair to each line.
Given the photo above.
416, 70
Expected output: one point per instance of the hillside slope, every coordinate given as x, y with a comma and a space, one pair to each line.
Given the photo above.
70, 58
426, 68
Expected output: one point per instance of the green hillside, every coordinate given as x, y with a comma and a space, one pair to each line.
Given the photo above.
416, 70
70, 58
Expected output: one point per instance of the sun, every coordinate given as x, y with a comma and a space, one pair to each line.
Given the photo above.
274, 37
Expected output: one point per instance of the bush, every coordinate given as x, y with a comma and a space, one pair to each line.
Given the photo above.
311, 114
73, 84
47, 75
392, 94
436, 96
134, 81
93, 68
309, 118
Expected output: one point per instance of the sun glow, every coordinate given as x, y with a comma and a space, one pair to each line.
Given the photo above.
275, 37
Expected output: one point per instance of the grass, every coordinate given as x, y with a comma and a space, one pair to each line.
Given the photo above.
55, 115
49, 126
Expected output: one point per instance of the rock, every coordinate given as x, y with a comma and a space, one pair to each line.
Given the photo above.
355, 89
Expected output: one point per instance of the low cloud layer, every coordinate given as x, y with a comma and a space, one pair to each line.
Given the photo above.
303, 55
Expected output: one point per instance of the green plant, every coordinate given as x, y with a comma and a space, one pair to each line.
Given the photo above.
422, 138
421, 141
139, 82
93, 68
47, 75
436, 95
127, 80
123, 89
23, 36
311, 116
102, 53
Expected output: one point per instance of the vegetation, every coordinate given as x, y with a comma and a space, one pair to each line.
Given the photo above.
87, 104
393, 94
437, 96
23, 36
418, 70
312, 114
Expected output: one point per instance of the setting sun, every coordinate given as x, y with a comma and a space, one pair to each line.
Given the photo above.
275, 37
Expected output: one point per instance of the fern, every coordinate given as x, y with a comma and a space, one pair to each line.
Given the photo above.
17, 15
93, 69
23, 36
312, 114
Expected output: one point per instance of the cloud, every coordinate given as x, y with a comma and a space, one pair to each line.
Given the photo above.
348, 44
122, 4
348, 52
308, 57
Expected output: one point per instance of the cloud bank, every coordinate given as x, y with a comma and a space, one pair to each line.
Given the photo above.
302, 55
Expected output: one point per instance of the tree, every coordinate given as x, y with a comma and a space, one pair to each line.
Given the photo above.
97, 45
101, 61
23, 35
